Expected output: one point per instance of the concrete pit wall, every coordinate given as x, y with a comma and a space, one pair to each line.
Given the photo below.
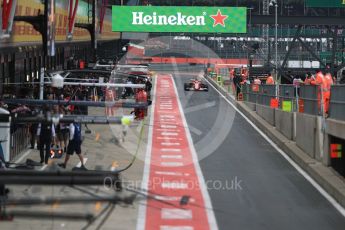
306, 133
250, 105
335, 128
285, 124
266, 112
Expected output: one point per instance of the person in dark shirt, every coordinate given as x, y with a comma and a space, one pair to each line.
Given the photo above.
74, 144
46, 133
237, 82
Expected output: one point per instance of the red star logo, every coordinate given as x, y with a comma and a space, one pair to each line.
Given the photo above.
219, 19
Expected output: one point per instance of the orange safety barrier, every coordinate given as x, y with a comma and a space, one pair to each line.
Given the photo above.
300, 106
274, 103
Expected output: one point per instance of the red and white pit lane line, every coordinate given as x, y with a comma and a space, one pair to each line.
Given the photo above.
172, 169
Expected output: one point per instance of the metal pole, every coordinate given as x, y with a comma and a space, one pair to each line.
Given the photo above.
41, 83
276, 41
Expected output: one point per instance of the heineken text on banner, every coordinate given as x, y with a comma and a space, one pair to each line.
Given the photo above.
179, 19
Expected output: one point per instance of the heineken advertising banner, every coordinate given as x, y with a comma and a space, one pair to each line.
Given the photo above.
179, 19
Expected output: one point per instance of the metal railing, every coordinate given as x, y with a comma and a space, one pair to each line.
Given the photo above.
309, 99
288, 98
20, 140
303, 98
337, 102
249, 94
266, 93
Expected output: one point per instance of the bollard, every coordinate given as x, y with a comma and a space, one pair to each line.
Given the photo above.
240, 97
219, 80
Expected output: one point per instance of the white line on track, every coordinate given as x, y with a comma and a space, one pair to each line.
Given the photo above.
27, 152
169, 126
166, 122
195, 130
176, 213
209, 211
43, 167
169, 138
182, 227
172, 164
169, 133
172, 198
146, 174
171, 150
167, 116
174, 185
167, 173
295, 165
170, 144
200, 107
163, 111
171, 156
167, 130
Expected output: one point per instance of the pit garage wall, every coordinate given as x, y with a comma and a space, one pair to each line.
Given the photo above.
23, 63
24, 32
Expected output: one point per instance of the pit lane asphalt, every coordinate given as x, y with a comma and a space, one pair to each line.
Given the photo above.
270, 193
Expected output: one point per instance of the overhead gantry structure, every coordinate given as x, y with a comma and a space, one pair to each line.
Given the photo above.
332, 24
45, 21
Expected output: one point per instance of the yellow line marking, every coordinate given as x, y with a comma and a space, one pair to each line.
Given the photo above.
97, 136
55, 205
114, 165
98, 206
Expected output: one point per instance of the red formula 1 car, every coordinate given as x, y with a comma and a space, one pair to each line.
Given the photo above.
195, 85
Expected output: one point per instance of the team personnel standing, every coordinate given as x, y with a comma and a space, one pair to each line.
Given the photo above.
33, 132
319, 78
257, 81
327, 90
62, 133
308, 78
297, 81
237, 83
270, 80
46, 133
74, 144
320, 81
